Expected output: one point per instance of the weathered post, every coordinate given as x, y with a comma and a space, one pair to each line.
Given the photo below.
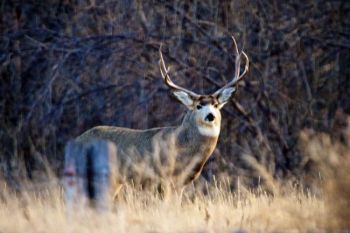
74, 176
99, 155
87, 174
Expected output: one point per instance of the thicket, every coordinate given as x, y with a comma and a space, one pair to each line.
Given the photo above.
66, 66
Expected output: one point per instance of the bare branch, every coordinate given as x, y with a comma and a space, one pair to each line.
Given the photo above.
165, 75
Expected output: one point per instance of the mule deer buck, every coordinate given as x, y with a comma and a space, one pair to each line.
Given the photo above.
194, 139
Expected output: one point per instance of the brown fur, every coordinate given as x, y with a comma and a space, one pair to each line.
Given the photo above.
192, 150
192, 142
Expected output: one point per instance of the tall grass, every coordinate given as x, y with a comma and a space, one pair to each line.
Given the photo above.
218, 211
331, 156
317, 204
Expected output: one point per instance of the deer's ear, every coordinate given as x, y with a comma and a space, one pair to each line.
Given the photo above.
225, 95
184, 98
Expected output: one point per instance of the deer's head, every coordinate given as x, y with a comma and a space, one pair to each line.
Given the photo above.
205, 109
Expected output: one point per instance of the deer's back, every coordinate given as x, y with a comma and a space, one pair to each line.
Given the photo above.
126, 139
132, 145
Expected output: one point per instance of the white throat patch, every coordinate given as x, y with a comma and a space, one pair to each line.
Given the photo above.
213, 131
206, 128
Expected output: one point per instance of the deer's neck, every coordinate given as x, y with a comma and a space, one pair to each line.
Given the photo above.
195, 148
190, 133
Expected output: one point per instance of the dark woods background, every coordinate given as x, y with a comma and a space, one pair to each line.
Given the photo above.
67, 66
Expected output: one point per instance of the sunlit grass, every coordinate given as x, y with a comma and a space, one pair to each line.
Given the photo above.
218, 211
277, 205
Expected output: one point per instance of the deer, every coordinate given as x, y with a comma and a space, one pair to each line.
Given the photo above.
194, 140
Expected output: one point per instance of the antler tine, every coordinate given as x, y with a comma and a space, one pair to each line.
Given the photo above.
165, 74
237, 77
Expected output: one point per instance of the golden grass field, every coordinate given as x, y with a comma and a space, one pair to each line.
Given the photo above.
278, 206
218, 211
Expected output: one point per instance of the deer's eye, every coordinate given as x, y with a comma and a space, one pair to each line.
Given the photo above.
199, 106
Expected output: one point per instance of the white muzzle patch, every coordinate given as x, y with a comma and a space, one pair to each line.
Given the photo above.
210, 129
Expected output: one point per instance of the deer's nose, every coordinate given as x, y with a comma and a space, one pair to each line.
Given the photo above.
210, 117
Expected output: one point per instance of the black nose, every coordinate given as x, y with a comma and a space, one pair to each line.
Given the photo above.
210, 117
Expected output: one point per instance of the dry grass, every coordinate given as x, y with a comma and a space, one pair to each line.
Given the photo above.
331, 156
274, 206
218, 211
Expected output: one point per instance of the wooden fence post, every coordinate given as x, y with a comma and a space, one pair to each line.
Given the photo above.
99, 173
87, 172
74, 176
